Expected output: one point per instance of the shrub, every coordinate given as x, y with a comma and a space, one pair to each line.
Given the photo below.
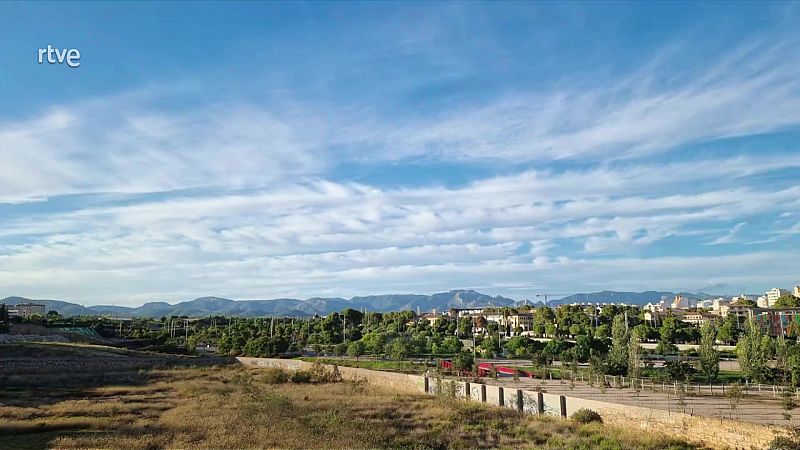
275, 375
584, 415
321, 374
357, 385
790, 441
301, 376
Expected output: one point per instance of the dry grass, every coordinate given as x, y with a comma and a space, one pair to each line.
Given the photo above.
236, 407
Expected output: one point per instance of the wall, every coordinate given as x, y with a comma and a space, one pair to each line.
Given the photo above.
399, 381
714, 433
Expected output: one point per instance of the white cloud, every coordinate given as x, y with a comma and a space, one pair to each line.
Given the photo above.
320, 237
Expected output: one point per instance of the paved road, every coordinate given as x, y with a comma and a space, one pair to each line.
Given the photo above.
757, 409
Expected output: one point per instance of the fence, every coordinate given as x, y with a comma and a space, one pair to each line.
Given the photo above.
675, 387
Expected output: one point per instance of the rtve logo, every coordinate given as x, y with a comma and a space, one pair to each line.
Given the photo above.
55, 56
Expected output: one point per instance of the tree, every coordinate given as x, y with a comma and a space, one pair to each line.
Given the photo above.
669, 328
679, 370
745, 302
665, 347
787, 301
555, 348
482, 323
708, 356
618, 355
752, 351
355, 349
3, 319
463, 361
634, 358
781, 358
374, 342
729, 331
517, 345
398, 349
602, 331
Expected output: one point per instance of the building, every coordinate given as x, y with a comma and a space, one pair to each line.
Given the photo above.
797, 291
719, 303
681, 302
510, 322
458, 312
26, 310
697, 318
774, 294
762, 301
652, 316
705, 304
780, 321
432, 318
743, 312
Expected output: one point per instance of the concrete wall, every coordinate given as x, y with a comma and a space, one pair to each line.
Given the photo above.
714, 433
399, 381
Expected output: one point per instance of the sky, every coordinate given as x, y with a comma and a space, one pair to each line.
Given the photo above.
267, 150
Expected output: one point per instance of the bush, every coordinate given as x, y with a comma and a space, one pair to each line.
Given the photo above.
321, 374
584, 415
301, 376
790, 441
275, 375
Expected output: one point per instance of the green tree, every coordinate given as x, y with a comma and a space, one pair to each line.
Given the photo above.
708, 357
517, 345
618, 355
679, 370
399, 349
634, 358
752, 351
355, 349
374, 343
729, 331
463, 361
787, 301
669, 329
3, 319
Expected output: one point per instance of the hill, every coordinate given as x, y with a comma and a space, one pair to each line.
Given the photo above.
630, 298
217, 306
212, 306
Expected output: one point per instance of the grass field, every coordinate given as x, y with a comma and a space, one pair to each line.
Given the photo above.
237, 407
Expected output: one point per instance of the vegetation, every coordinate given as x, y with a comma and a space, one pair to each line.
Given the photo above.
585, 415
577, 335
708, 357
237, 407
753, 351
787, 301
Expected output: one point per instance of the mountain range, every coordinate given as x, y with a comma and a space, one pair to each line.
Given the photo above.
212, 306
206, 306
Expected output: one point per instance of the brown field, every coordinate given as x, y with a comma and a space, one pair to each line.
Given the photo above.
237, 407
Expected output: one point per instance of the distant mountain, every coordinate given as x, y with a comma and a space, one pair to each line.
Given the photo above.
206, 306
630, 298
212, 306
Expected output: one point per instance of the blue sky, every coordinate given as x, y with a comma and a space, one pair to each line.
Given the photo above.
255, 150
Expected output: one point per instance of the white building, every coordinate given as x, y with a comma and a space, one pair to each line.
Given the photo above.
681, 302
718, 303
797, 291
774, 294
707, 304
762, 301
